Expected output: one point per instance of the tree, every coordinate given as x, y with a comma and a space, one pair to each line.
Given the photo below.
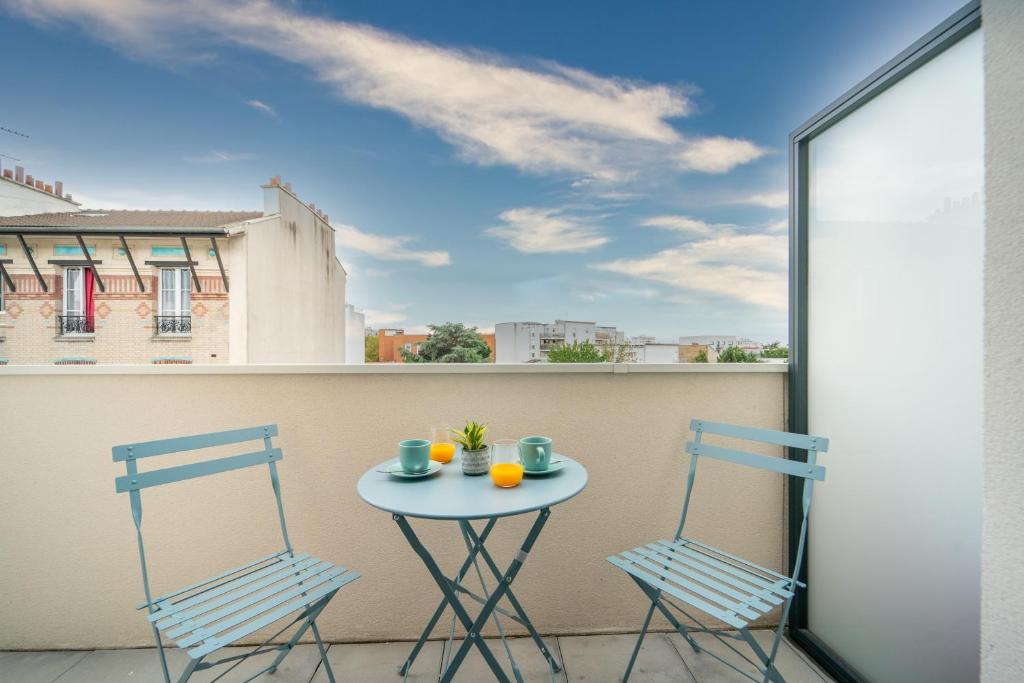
775, 350
450, 343
618, 353
371, 349
734, 354
577, 352
701, 357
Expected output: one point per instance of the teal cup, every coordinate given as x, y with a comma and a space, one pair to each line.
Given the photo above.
535, 452
414, 454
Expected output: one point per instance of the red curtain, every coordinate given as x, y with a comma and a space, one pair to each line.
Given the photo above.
90, 301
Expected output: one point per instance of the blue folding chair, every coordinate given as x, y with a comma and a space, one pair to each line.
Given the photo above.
721, 585
214, 613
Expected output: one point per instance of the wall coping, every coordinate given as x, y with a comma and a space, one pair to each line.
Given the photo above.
402, 369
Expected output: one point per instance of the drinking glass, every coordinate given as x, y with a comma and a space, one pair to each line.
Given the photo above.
441, 447
506, 467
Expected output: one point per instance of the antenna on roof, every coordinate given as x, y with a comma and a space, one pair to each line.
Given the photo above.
13, 132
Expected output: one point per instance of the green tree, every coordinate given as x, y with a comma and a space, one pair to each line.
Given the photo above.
618, 353
775, 350
734, 354
701, 357
577, 352
371, 349
450, 343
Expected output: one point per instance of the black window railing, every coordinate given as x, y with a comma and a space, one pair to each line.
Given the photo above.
173, 324
75, 324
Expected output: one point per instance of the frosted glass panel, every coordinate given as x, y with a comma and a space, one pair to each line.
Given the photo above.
895, 374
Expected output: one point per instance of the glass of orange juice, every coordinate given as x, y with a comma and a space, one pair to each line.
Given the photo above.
506, 467
441, 447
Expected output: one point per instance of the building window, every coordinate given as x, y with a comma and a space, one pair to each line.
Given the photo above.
175, 313
77, 302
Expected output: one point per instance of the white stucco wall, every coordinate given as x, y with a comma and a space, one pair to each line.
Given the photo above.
295, 287
1002, 612
17, 199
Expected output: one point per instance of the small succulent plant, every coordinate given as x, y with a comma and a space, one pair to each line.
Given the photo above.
471, 437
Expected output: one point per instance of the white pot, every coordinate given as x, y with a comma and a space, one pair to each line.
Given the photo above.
476, 462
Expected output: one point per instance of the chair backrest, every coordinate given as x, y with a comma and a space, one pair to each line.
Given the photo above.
134, 481
806, 471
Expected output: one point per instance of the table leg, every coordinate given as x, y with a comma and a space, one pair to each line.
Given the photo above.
479, 542
555, 668
504, 584
473, 637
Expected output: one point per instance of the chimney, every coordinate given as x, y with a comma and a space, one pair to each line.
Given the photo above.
58, 188
276, 180
9, 174
19, 174
29, 180
327, 219
288, 186
40, 185
68, 197
48, 189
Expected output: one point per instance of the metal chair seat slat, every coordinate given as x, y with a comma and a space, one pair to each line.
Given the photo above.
679, 564
743, 586
747, 563
224, 640
283, 563
727, 567
729, 618
199, 584
242, 617
250, 595
665, 574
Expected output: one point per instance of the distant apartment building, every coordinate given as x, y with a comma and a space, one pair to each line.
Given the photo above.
530, 342
654, 352
355, 336
391, 342
688, 353
21, 194
97, 286
719, 342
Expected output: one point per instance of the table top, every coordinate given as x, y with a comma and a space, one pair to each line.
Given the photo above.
450, 494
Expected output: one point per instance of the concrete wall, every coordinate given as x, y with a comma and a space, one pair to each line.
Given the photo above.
17, 199
1002, 625
68, 563
295, 308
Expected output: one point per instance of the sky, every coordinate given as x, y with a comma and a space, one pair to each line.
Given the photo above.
624, 163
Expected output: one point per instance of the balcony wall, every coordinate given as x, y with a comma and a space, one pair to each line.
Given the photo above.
68, 563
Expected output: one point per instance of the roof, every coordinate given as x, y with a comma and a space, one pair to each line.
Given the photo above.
126, 222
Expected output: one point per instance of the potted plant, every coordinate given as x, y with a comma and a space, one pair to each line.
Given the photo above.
475, 454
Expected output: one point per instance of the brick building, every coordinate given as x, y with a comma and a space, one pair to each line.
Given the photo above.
390, 341
97, 286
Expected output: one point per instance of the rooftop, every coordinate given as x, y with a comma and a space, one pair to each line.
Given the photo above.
125, 221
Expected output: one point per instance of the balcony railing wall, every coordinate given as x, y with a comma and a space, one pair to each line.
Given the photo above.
70, 571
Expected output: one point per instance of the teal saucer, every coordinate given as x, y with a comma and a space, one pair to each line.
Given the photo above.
395, 470
553, 466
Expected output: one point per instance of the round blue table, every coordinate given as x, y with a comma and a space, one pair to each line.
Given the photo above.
451, 495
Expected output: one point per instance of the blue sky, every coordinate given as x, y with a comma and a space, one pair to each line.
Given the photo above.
482, 162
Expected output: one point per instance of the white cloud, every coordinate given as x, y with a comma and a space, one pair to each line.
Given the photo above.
719, 154
260, 105
534, 230
541, 117
684, 224
218, 156
781, 225
772, 200
387, 247
747, 267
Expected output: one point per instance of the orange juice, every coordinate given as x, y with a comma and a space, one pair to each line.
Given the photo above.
442, 452
507, 474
